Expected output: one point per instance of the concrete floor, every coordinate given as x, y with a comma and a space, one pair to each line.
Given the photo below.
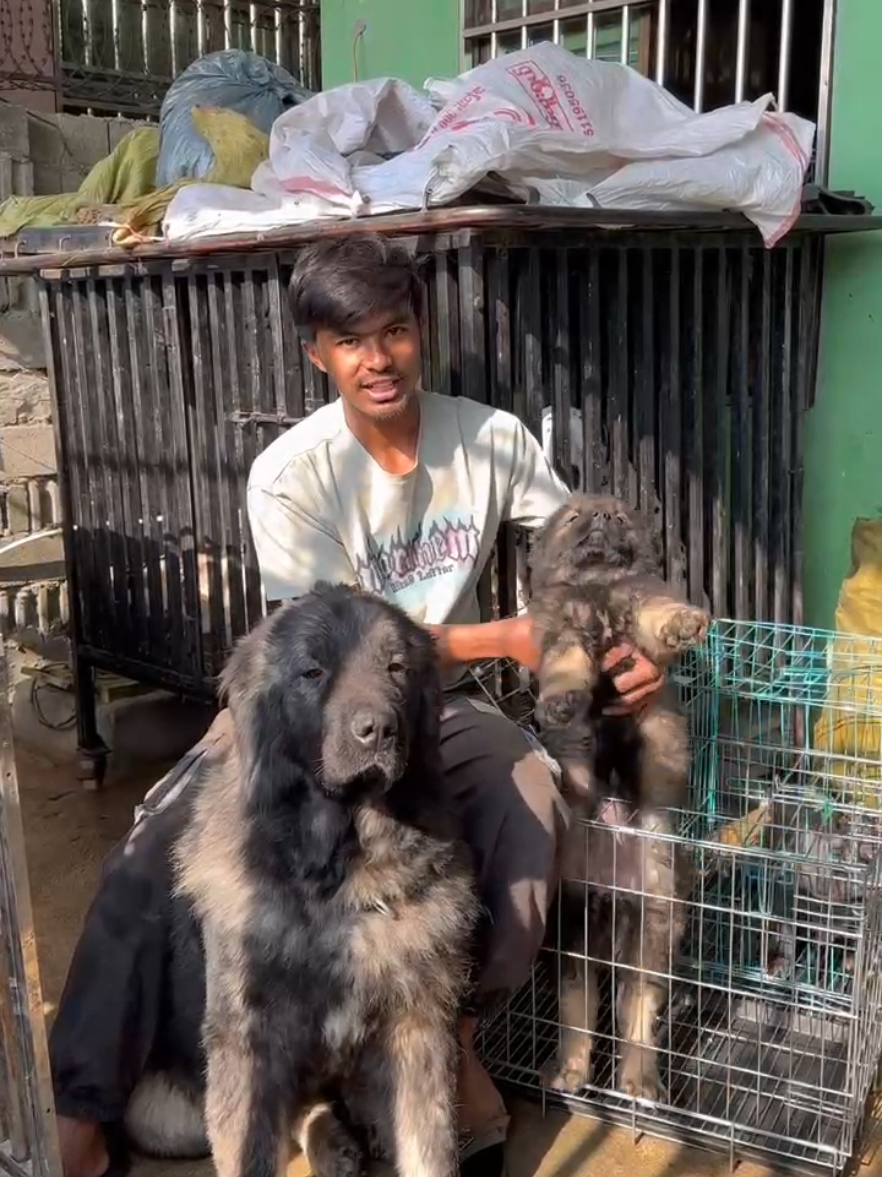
69, 831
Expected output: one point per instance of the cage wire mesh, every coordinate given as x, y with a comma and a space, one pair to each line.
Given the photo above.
768, 1009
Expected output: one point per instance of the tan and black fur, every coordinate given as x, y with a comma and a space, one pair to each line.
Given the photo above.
597, 583
335, 901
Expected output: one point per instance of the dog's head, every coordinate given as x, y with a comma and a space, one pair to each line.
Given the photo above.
591, 536
338, 688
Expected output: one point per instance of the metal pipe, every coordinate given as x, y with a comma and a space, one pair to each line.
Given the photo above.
228, 24
626, 35
87, 32
277, 20
252, 20
822, 141
742, 49
783, 94
145, 37
114, 28
662, 52
172, 36
589, 31
555, 28
525, 12
494, 36
700, 55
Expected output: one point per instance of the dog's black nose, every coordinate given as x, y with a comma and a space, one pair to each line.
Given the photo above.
374, 728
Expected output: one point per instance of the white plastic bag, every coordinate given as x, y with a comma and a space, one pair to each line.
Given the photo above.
575, 132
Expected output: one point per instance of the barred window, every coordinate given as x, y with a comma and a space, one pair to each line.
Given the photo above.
707, 52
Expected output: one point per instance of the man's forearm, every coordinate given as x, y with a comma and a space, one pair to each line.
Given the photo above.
509, 638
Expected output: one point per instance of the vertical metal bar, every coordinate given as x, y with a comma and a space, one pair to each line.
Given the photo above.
145, 36
595, 455
700, 55
645, 418
783, 95
589, 44
761, 445
743, 47
626, 35
662, 50
670, 427
494, 37
88, 31
277, 18
695, 417
173, 35
555, 28
524, 15
114, 26
200, 27
228, 24
742, 444
252, 20
562, 367
822, 139
18, 927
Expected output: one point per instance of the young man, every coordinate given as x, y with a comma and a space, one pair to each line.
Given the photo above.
403, 492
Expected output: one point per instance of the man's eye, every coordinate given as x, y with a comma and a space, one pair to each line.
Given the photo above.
397, 331
347, 343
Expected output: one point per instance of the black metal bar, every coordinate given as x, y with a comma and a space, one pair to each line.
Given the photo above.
761, 445
561, 364
595, 471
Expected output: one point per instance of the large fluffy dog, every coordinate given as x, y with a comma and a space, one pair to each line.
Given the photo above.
334, 900
596, 583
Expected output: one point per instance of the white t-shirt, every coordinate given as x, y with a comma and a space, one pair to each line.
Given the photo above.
321, 508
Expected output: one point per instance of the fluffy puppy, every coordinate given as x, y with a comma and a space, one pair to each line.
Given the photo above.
597, 583
334, 900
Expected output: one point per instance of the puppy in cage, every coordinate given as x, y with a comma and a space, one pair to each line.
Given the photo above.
597, 581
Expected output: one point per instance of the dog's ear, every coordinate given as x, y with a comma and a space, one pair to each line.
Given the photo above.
252, 690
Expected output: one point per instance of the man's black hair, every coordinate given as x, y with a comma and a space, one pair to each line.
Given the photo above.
344, 281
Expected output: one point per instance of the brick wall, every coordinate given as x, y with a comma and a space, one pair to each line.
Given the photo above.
40, 154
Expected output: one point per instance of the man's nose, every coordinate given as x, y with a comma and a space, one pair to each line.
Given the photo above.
376, 357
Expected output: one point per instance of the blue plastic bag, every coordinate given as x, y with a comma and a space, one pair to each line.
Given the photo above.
231, 79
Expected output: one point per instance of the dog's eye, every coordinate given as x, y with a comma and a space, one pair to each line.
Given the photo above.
312, 673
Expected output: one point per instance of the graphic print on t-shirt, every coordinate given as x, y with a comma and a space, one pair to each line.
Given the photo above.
448, 546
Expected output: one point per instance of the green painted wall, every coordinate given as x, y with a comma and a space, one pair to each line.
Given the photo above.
410, 39
843, 464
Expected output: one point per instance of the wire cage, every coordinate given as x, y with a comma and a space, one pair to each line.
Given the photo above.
765, 1009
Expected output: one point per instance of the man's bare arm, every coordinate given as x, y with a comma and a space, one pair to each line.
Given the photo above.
516, 638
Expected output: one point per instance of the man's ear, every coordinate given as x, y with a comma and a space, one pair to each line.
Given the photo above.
312, 351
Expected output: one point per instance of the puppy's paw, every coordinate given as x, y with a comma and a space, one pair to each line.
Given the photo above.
560, 709
685, 628
567, 1075
639, 1077
338, 1154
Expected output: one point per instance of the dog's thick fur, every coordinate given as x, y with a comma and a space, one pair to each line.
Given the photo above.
335, 901
597, 583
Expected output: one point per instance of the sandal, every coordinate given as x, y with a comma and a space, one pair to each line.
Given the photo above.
482, 1153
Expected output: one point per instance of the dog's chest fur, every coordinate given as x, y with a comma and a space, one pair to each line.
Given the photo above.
325, 963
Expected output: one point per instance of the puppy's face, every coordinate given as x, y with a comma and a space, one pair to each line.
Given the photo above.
342, 682
591, 535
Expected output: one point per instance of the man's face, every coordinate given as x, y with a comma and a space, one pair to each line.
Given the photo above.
377, 367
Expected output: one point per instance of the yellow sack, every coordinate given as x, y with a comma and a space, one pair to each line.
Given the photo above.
850, 725
126, 175
122, 186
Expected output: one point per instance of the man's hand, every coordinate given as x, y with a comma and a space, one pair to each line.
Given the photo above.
637, 684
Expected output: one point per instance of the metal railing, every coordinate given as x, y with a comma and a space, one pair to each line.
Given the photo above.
120, 56
707, 52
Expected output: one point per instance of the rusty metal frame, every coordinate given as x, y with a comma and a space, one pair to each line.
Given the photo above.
29, 1144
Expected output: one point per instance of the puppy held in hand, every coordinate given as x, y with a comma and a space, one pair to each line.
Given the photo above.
597, 583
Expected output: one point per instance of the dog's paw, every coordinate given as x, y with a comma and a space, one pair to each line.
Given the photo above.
568, 1076
339, 1155
685, 628
639, 1077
